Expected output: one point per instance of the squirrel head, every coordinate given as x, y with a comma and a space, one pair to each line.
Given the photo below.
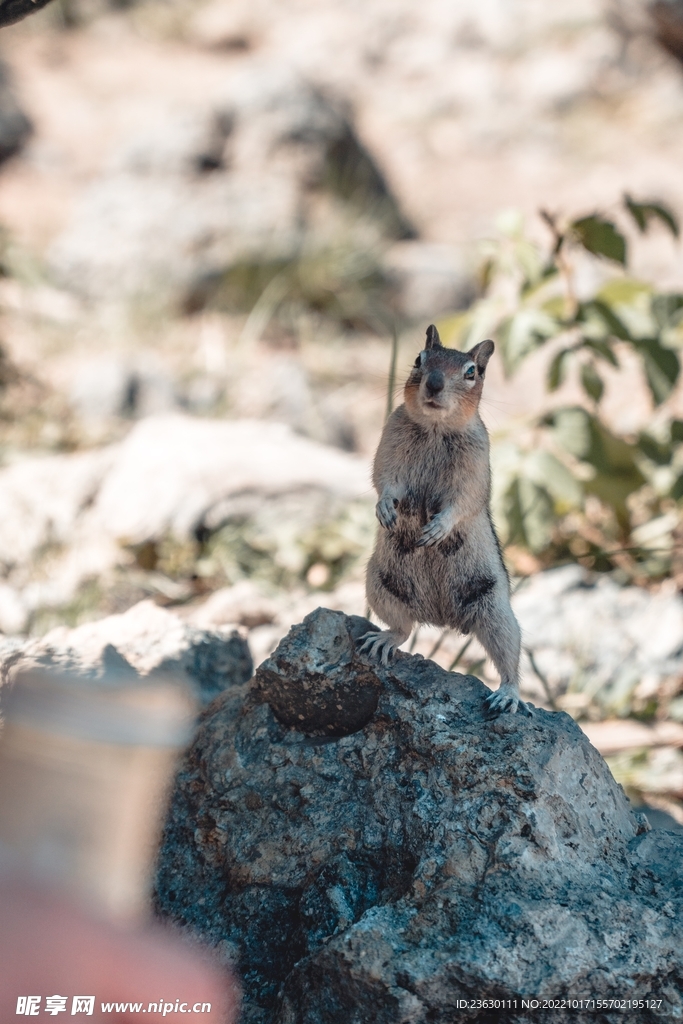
444, 386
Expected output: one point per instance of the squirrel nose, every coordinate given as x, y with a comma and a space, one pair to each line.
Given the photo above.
435, 382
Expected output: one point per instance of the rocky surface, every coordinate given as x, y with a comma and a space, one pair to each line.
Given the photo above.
427, 857
145, 641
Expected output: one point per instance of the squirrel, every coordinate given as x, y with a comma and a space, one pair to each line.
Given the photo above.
437, 558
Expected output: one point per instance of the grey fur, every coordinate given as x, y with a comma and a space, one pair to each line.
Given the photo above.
437, 559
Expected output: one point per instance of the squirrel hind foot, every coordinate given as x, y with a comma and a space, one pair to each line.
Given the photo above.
505, 700
381, 644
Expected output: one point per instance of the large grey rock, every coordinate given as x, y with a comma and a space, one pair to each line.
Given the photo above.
145, 641
429, 857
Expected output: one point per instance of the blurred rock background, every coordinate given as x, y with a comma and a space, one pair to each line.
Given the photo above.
215, 217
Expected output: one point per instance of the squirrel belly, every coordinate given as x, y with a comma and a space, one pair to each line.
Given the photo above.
437, 559
442, 585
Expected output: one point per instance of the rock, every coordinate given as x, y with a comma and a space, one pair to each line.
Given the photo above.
174, 473
15, 127
245, 181
316, 681
146, 640
42, 501
72, 518
428, 857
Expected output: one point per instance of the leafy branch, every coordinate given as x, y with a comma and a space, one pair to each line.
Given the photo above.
572, 487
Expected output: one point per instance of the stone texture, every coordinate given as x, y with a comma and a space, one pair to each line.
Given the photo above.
316, 681
430, 856
146, 640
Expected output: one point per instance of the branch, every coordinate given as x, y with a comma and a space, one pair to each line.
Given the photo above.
15, 10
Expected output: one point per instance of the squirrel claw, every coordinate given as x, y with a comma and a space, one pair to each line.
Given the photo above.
433, 532
380, 644
386, 512
504, 701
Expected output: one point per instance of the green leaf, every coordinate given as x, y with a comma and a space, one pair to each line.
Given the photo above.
643, 213
665, 307
600, 237
677, 431
623, 291
656, 451
662, 368
598, 310
677, 489
551, 475
602, 349
557, 370
524, 332
616, 472
592, 382
572, 430
486, 274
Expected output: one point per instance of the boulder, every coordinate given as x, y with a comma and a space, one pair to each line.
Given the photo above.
72, 518
175, 473
428, 858
145, 641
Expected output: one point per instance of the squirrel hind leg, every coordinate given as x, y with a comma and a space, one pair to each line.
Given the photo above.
498, 632
382, 644
506, 699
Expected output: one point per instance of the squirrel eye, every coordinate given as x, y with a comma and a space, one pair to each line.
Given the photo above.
469, 373
417, 363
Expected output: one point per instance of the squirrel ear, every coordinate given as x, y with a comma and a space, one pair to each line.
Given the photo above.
481, 354
433, 339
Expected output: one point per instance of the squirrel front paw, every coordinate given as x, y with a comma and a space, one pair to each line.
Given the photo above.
435, 531
385, 510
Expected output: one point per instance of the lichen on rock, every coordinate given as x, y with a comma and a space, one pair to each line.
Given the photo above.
427, 857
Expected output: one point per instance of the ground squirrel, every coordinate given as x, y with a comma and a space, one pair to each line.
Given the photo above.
437, 559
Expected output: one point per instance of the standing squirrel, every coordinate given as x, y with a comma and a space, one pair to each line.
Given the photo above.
437, 559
